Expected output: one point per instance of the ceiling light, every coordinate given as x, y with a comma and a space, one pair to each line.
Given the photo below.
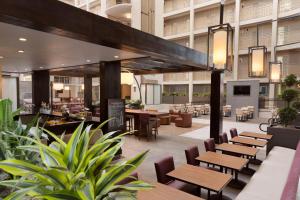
88, 61
1, 57
23, 39
21, 51
116, 56
41, 67
62, 64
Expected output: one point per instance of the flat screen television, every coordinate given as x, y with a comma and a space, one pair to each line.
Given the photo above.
243, 90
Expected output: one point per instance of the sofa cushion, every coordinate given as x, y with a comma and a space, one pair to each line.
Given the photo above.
291, 186
269, 180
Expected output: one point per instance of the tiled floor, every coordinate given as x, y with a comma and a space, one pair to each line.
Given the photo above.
172, 141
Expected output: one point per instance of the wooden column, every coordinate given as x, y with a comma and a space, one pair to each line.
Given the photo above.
110, 85
216, 103
88, 101
40, 88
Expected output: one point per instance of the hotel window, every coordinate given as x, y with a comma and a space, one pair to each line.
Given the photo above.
152, 93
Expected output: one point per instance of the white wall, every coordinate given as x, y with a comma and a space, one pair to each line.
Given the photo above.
9, 90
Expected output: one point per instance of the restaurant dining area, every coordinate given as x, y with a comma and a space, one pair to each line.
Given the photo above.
99, 101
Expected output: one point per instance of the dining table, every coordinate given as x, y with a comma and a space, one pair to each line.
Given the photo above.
164, 192
202, 177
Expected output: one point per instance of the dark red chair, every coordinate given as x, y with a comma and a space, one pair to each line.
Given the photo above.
210, 145
233, 132
162, 168
223, 138
191, 154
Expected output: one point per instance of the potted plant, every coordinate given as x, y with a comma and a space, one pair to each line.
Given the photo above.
288, 114
74, 170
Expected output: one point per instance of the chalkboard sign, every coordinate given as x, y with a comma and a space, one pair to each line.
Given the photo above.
116, 112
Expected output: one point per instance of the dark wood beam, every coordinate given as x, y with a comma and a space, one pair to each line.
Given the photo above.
58, 18
88, 95
216, 104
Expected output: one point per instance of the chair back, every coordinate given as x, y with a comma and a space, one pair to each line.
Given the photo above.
162, 168
223, 138
233, 132
210, 145
191, 154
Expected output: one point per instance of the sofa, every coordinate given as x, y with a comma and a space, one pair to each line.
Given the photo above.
277, 177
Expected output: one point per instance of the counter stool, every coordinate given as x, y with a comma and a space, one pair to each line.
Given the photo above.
129, 125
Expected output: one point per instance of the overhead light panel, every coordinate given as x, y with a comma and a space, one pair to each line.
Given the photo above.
23, 39
21, 51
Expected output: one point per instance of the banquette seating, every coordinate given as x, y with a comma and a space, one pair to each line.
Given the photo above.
277, 177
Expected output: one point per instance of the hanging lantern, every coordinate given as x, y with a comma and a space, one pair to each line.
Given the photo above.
257, 61
275, 72
220, 47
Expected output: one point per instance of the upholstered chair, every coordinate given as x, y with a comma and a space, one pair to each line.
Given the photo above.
233, 132
210, 145
162, 168
223, 138
191, 154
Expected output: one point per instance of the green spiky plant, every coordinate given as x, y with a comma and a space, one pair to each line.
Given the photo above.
74, 170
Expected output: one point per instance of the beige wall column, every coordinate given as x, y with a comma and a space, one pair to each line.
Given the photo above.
136, 14
236, 39
159, 20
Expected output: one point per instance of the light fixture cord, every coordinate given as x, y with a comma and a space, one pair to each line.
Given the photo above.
257, 35
221, 11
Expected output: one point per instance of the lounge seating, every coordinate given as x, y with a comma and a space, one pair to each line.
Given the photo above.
277, 177
162, 168
184, 121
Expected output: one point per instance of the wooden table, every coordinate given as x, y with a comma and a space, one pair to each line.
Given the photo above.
234, 163
242, 150
164, 192
249, 152
136, 113
256, 135
204, 178
249, 141
223, 160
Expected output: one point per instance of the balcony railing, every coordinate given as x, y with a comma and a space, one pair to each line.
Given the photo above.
111, 3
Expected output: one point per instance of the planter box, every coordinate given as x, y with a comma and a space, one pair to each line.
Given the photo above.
177, 99
283, 137
201, 100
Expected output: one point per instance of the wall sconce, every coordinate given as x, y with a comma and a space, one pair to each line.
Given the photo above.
82, 86
220, 47
127, 78
275, 72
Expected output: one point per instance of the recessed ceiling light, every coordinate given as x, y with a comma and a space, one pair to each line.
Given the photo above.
88, 61
41, 67
23, 39
21, 51
1, 57
62, 64
116, 56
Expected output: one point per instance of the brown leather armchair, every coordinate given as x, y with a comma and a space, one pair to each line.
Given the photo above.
184, 121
